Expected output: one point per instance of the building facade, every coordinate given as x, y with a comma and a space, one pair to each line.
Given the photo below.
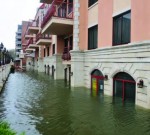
99, 44
18, 45
113, 49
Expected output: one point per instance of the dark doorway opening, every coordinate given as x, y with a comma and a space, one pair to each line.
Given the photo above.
48, 69
65, 74
53, 70
124, 86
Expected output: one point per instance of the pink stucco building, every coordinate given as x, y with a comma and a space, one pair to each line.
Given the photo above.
100, 44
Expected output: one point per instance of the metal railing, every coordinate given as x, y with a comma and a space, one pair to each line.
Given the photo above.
66, 54
58, 9
43, 36
30, 41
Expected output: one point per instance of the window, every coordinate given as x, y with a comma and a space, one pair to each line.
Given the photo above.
121, 29
91, 2
92, 37
124, 86
44, 52
70, 6
53, 48
47, 51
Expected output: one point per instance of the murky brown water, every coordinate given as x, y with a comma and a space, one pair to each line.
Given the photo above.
37, 104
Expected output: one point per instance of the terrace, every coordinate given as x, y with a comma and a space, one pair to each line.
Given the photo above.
58, 19
43, 39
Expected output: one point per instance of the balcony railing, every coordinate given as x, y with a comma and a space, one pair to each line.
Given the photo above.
58, 9
66, 54
43, 36
34, 23
30, 41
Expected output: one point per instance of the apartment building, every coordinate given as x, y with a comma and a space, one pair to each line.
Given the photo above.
51, 34
111, 48
24, 45
58, 22
100, 44
18, 44
34, 53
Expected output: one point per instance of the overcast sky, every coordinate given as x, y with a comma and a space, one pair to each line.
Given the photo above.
12, 12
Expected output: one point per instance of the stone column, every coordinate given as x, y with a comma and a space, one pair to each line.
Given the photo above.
76, 25
77, 59
40, 65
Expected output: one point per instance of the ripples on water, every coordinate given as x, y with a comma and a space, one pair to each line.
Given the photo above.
37, 104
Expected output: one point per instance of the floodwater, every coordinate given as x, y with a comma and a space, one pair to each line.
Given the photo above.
39, 105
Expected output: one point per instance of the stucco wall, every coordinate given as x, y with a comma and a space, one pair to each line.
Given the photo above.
93, 15
60, 44
83, 27
105, 23
140, 22
120, 5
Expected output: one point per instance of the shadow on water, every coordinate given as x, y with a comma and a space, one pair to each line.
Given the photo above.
35, 103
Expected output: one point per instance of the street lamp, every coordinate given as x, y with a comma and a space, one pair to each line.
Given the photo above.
6, 58
4, 51
1, 48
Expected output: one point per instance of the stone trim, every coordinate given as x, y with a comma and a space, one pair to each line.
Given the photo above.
76, 25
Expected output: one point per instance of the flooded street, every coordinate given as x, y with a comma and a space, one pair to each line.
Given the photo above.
39, 105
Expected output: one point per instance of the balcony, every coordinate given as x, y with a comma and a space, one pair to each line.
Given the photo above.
31, 44
30, 50
27, 36
66, 54
18, 47
33, 28
58, 19
18, 36
42, 39
17, 53
21, 54
46, 1
30, 53
19, 31
30, 41
18, 42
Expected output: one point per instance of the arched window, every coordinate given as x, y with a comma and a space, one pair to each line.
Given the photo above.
97, 82
124, 86
97, 73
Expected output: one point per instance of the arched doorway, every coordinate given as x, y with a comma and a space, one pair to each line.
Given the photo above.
48, 69
69, 75
65, 74
97, 81
124, 86
45, 69
53, 70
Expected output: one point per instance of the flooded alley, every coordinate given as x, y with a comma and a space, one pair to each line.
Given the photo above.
35, 103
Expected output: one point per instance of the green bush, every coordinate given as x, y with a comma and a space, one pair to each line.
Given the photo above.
6, 130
